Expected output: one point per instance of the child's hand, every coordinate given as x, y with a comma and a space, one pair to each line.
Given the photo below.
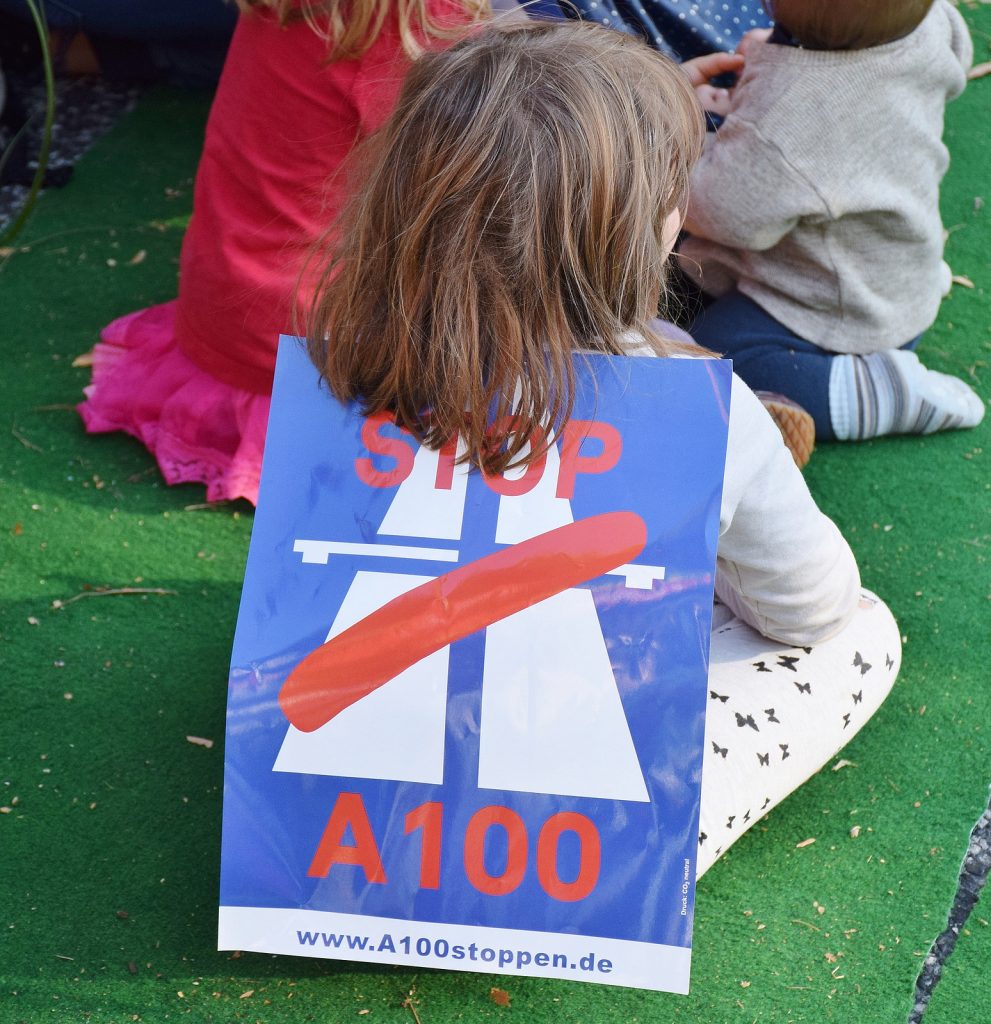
714, 101
752, 39
701, 69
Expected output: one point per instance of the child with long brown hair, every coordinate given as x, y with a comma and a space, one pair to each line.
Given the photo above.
304, 80
519, 206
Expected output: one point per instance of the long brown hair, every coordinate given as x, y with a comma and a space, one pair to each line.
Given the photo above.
510, 212
848, 24
351, 27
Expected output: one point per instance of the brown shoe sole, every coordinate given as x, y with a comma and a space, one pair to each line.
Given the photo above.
796, 425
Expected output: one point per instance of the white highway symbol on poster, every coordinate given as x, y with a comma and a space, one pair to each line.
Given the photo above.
548, 691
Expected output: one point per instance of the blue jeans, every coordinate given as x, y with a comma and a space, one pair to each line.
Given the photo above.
768, 356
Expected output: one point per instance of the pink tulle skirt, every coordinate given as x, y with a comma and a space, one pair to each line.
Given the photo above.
199, 429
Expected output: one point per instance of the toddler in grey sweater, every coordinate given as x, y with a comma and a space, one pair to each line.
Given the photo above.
814, 214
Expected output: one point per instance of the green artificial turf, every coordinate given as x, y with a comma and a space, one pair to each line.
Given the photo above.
109, 851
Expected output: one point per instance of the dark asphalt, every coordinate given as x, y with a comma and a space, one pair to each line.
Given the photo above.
973, 877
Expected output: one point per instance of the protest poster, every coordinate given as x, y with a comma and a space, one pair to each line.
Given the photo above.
466, 713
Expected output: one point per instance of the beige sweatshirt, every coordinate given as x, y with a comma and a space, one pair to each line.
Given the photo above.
819, 196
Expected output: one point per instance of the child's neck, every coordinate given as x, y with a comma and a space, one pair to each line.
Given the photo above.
781, 36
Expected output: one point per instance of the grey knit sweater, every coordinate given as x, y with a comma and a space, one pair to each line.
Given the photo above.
819, 196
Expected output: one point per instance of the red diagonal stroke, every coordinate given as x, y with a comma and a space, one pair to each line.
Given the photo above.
408, 628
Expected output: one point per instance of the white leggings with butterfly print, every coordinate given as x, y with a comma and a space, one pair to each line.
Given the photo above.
777, 714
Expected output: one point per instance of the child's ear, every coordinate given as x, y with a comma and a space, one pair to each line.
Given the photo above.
671, 230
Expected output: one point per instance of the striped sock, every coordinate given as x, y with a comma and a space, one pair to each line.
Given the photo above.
893, 393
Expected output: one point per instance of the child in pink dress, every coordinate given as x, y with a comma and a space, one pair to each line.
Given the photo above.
192, 378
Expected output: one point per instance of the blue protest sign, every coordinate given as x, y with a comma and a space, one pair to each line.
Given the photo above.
466, 713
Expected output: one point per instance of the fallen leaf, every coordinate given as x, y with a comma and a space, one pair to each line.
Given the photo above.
744, 984
962, 280
86, 359
499, 996
843, 764
855, 831
32, 621
199, 741
979, 70
132, 967
247, 995
18, 529
804, 843
122, 915
138, 257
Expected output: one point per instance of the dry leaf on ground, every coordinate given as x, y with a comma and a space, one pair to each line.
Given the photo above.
499, 996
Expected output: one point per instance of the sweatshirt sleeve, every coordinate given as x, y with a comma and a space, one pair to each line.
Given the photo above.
782, 566
960, 41
744, 192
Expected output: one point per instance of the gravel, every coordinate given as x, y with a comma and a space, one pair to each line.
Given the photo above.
973, 877
85, 109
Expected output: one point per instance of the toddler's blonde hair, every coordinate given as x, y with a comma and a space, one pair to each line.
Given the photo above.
510, 212
352, 26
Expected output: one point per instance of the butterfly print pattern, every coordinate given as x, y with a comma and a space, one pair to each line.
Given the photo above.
812, 699
858, 662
